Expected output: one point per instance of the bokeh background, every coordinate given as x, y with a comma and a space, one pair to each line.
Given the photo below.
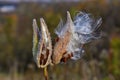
101, 59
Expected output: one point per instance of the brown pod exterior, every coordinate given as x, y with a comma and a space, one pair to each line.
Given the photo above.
60, 48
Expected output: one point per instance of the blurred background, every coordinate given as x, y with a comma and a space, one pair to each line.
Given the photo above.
101, 59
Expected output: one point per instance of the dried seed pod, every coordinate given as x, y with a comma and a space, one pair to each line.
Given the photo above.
64, 34
42, 46
73, 35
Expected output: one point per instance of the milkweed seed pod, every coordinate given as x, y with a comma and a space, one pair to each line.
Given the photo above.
73, 35
64, 34
42, 48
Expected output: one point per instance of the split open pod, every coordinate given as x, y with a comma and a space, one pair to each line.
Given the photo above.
71, 36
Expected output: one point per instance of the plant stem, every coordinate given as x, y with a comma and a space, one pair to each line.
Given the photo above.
45, 73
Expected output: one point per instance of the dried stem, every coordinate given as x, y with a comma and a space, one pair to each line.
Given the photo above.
45, 73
